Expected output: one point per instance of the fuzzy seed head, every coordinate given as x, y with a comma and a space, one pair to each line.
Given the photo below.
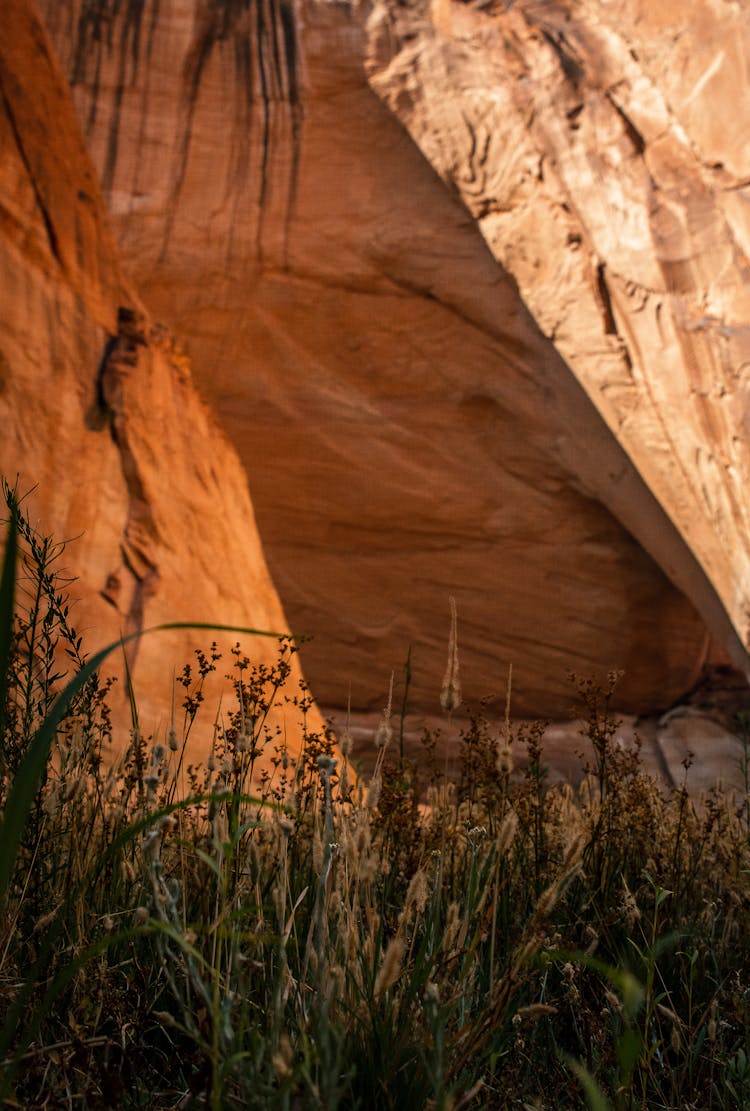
373, 792
317, 853
507, 832
345, 744
383, 734
450, 694
504, 760
390, 969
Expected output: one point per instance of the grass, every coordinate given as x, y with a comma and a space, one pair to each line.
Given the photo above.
189, 937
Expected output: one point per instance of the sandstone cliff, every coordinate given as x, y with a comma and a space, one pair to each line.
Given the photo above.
97, 404
525, 389
585, 141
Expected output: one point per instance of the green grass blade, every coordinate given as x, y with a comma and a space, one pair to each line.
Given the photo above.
7, 594
595, 1098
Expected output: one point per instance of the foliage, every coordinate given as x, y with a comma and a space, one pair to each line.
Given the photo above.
267, 931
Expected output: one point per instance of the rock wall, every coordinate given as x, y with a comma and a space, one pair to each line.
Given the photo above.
585, 141
98, 408
524, 389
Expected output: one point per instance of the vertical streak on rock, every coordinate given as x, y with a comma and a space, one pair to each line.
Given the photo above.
264, 92
135, 189
266, 63
192, 74
286, 14
240, 165
96, 30
43, 210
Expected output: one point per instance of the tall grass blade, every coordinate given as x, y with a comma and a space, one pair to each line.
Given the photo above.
7, 594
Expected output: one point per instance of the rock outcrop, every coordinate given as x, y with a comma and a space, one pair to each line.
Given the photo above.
98, 409
584, 140
525, 389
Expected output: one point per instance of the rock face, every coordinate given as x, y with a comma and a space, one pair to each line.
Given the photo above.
98, 407
526, 389
584, 140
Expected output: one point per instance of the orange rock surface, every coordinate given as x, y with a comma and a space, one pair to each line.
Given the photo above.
99, 411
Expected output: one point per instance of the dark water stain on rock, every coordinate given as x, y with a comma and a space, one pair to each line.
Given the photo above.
264, 52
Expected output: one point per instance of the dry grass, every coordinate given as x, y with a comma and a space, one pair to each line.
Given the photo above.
178, 937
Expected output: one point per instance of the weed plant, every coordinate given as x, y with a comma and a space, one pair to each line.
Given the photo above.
269, 931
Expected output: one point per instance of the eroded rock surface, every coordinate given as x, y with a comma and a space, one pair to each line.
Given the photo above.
586, 141
98, 408
524, 390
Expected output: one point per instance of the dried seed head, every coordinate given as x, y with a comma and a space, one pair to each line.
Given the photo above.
345, 744
383, 734
172, 739
157, 755
628, 905
431, 992
242, 744
51, 803
711, 1033
390, 969
535, 1011
141, 915
450, 694
507, 832
128, 871
326, 763
452, 923
362, 842
317, 853
504, 759
368, 869
418, 892
373, 792
44, 921
283, 1058
614, 1002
